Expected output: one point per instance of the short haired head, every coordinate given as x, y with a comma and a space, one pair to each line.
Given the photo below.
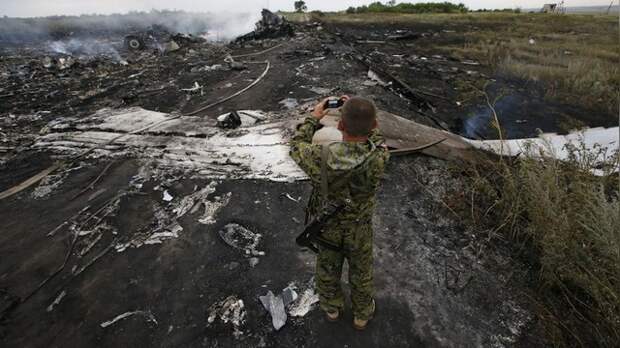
359, 116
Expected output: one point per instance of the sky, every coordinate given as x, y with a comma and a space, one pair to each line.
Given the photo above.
35, 8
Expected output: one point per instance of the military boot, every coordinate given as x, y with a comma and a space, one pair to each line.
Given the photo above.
332, 315
360, 324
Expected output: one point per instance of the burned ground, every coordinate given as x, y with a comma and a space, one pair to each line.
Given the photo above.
439, 294
127, 248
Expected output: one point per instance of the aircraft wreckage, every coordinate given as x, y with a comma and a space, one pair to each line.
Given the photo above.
258, 149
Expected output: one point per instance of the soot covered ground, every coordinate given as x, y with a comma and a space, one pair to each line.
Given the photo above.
434, 285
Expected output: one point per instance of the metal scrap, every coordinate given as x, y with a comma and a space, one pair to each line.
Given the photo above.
146, 314
242, 239
56, 301
276, 305
229, 310
303, 304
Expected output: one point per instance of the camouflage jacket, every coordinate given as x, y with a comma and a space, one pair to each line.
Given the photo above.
354, 171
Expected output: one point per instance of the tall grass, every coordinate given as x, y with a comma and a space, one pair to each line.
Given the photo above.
568, 224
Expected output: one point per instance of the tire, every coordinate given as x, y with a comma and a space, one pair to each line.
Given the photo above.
134, 43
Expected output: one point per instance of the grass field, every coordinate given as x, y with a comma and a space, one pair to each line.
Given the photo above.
576, 57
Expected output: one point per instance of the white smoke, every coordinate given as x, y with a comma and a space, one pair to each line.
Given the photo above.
220, 26
84, 48
227, 26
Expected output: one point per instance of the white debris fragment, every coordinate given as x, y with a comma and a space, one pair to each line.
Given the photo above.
253, 261
293, 199
212, 207
48, 185
167, 196
275, 306
229, 120
188, 202
230, 310
304, 303
242, 239
195, 88
146, 314
214, 67
375, 77
165, 224
289, 103
171, 46
254, 152
555, 145
90, 245
248, 117
159, 237
56, 301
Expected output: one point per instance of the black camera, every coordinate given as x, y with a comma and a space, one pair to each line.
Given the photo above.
333, 103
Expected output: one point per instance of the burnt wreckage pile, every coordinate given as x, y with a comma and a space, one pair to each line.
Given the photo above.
159, 38
270, 26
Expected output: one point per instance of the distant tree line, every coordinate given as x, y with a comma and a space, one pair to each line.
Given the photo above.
504, 10
405, 7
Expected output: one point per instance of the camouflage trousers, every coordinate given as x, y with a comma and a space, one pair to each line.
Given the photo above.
356, 242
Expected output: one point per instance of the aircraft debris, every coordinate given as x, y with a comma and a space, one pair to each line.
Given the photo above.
167, 197
56, 301
194, 89
150, 318
212, 207
229, 310
289, 103
275, 306
304, 303
253, 261
241, 238
287, 195
231, 120
269, 26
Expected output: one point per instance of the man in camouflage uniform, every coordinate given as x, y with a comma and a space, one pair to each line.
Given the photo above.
353, 169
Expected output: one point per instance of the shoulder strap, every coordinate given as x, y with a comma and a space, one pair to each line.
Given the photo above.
324, 183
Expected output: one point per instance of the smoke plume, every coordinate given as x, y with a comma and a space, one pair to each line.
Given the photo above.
219, 26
